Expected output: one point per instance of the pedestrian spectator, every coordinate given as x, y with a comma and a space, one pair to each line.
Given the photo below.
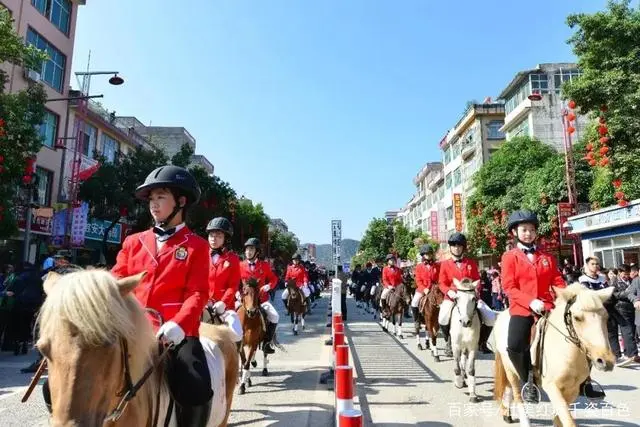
486, 288
496, 292
612, 277
622, 315
343, 292
7, 300
29, 295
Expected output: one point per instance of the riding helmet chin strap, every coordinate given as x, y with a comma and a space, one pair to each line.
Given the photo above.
172, 215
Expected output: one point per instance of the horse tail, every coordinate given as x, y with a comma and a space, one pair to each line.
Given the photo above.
500, 381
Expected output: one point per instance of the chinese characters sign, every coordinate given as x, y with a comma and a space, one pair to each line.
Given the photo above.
96, 227
565, 210
457, 210
336, 240
79, 224
435, 235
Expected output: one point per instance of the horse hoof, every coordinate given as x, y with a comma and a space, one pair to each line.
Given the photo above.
474, 399
464, 383
249, 383
437, 358
420, 347
507, 419
401, 336
254, 363
242, 389
295, 332
265, 373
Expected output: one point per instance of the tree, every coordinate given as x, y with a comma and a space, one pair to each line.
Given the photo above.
183, 157
376, 242
250, 221
110, 191
215, 200
606, 44
282, 246
21, 113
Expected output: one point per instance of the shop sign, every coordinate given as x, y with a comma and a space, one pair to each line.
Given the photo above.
616, 215
96, 227
40, 219
435, 235
457, 210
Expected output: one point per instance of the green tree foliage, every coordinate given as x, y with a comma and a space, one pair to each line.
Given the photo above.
607, 44
21, 113
183, 157
282, 246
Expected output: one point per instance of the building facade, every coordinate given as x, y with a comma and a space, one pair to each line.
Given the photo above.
539, 119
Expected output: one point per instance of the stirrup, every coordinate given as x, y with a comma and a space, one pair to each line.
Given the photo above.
530, 387
599, 389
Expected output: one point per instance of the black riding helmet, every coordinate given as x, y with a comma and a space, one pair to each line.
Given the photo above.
426, 250
297, 256
172, 177
220, 224
390, 256
457, 239
522, 217
252, 242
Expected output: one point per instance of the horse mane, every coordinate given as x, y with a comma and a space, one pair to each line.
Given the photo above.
90, 302
585, 299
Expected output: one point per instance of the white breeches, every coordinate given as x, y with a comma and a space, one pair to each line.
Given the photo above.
304, 289
372, 292
272, 314
415, 302
385, 292
487, 315
363, 288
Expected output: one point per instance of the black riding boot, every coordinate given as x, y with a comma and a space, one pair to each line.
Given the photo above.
416, 319
193, 416
587, 390
522, 363
447, 337
485, 331
286, 304
268, 346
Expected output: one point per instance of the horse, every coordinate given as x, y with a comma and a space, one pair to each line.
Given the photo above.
465, 335
430, 308
297, 306
396, 305
376, 300
105, 363
576, 331
253, 332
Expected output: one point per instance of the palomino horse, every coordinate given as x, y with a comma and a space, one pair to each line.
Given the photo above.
297, 306
430, 308
254, 330
576, 333
465, 335
394, 310
104, 361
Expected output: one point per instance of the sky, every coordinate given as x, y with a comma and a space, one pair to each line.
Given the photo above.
320, 109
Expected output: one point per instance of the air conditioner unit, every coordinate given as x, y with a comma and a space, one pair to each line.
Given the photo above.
32, 75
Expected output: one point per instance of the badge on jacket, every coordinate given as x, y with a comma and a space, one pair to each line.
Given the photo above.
545, 262
181, 253
469, 267
226, 264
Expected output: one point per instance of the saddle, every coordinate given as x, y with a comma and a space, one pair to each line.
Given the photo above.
422, 305
536, 342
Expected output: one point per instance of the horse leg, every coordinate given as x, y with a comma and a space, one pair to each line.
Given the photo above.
400, 317
291, 314
514, 382
295, 325
254, 362
471, 376
245, 363
302, 320
560, 400
265, 362
457, 356
252, 354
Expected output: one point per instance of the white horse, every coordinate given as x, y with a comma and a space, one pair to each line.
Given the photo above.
465, 335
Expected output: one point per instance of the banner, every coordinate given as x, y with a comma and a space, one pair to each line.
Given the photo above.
79, 224
457, 210
435, 235
95, 231
336, 240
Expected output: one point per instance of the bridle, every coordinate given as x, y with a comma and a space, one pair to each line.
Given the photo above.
130, 388
466, 291
251, 313
571, 336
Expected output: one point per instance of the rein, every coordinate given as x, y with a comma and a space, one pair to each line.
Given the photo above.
130, 388
572, 336
250, 313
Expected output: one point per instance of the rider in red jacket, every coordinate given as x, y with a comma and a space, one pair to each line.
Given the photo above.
296, 272
224, 268
426, 275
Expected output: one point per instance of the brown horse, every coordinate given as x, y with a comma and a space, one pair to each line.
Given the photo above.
396, 305
430, 308
297, 305
99, 345
254, 330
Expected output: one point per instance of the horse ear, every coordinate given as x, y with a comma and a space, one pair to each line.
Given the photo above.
605, 294
127, 284
50, 281
561, 293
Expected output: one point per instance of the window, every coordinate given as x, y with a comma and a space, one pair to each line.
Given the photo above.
457, 177
450, 213
52, 72
456, 150
441, 193
447, 180
493, 129
110, 148
49, 129
447, 155
56, 11
564, 76
522, 129
45, 179
88, 134
539, 83
518, 96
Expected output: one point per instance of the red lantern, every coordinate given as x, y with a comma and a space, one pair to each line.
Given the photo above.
572, 104
589, 146
603, 130
1, 158
604, 150
623, 203
617, 183
571, 130
571, 116
26, 180
589, 155
604, 140
604, 108
592, 162
604, 161
618, 195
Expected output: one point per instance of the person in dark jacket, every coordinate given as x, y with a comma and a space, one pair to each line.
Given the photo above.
622, 315
29, 295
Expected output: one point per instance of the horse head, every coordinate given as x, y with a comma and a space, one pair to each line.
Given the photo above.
466, 301
90, 324
250, 298
585, 319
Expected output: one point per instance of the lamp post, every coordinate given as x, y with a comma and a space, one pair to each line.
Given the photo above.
570, 176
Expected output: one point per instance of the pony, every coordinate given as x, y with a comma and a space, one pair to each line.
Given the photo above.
254, 330
430, 308
297, 306
465, 335
105, 363
576, 331
396, 305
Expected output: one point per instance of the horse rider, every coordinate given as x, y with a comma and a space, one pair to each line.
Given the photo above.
297, 272
175, 260
391, 277
459, 267
224, 274
426, 275
255, 268
528, 275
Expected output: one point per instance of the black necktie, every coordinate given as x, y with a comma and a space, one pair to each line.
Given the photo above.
160, 232
531, 250
216, 252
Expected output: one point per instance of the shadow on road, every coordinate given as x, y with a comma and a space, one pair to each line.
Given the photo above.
310, 414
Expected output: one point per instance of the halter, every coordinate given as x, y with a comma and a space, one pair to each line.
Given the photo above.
250, 313
466, 291
130, 388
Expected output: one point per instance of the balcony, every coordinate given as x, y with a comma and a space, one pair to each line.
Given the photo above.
437, 179
468, 150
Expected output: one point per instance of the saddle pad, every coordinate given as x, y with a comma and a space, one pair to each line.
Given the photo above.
536, 348
215, 362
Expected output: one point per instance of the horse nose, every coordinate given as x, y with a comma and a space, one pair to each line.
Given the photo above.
466, 324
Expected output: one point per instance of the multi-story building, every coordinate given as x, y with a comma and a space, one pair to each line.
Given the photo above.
540, 119
203, 162
415, 214
50, 26
391, 216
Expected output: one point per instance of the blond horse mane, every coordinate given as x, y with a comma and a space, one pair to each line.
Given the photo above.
89, 302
